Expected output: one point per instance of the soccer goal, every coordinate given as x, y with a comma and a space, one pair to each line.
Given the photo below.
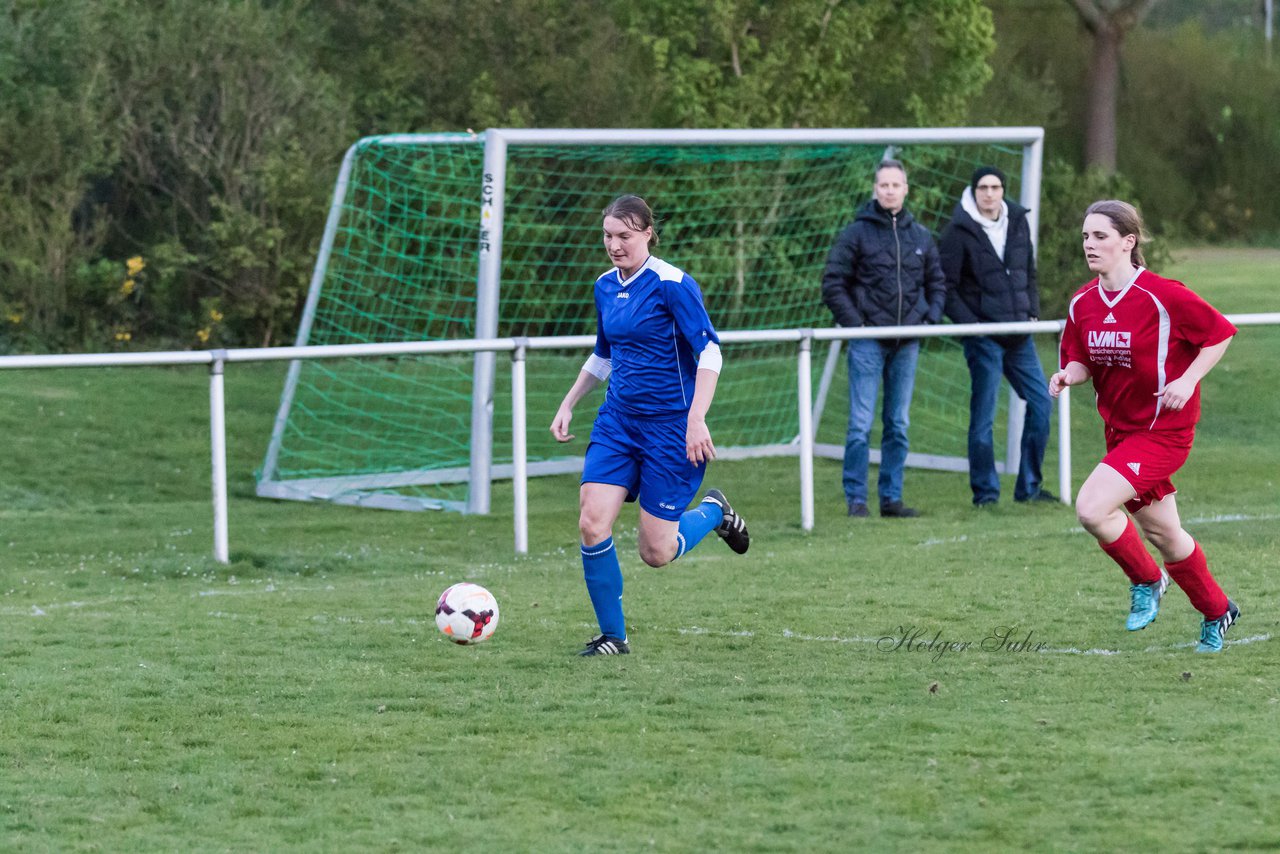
497, 235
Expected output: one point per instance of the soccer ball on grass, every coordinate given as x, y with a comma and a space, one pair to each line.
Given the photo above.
467, 613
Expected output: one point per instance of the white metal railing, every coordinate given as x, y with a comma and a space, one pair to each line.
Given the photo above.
519, 348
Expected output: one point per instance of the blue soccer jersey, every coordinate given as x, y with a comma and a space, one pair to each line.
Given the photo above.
652, 327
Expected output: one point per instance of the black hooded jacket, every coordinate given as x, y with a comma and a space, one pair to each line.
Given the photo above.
883, 270
981, 288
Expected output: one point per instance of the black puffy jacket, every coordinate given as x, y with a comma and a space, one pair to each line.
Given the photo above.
981, 288
883, 270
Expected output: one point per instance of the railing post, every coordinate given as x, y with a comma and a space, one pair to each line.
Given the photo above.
804, 377
218, 448
1064, 435
1013, 433
519, 446
1064, 446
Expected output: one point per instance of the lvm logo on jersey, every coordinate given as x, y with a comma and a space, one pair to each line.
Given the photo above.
1111, 347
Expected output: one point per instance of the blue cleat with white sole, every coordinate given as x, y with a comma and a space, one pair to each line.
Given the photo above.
1144, 602
1214, 632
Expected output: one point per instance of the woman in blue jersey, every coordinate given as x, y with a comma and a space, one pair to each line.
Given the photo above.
650, 443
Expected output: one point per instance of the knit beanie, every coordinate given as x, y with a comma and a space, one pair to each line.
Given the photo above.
982, 172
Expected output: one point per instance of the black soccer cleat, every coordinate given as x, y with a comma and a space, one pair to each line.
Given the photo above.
605, 645
733, 530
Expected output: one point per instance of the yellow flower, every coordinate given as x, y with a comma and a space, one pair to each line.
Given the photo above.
124, 336
215, 315
127, 287
203, 334
134, 265
14, 317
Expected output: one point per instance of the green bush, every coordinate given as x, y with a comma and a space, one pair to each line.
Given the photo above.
1205, 157
57, 135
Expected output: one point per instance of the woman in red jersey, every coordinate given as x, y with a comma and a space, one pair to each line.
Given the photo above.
1146, 342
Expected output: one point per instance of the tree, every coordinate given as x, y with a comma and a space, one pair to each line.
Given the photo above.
227, 148
57, 137
1109, 22
748, 63
166, 166
448, 65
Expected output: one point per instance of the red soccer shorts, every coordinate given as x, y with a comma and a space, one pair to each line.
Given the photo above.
1147, 460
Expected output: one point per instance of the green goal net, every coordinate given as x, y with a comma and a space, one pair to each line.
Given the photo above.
439, 237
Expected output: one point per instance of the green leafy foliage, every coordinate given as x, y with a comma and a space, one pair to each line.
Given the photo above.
57, 136
205, 137
224, 160
739, 63
1196, 129
1208, 167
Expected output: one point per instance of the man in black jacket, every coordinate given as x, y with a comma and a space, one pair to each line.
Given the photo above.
990, 267
883, 270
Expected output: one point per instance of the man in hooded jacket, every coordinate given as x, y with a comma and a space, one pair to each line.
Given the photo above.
990, 268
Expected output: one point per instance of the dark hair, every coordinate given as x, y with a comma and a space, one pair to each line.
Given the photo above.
890, 163
982, 172
1127, 220
635, 212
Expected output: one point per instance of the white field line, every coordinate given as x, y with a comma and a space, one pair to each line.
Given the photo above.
890, 640
884, 641
43, 610
1215, 519
234, 588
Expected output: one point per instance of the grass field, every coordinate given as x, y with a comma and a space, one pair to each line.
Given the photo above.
959, 682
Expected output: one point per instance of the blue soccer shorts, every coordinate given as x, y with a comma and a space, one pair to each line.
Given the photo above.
647, 458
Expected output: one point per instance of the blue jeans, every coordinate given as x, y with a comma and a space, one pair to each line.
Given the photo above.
869, 362
1018, 362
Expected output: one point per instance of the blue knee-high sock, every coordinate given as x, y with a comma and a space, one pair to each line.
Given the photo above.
604, 585
695, 524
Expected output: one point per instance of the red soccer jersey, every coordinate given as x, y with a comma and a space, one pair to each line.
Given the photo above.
1135, 341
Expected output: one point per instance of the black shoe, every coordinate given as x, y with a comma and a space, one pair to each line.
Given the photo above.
897, 510
605, 645
733, 530
858, 510
983, 503
1043, 495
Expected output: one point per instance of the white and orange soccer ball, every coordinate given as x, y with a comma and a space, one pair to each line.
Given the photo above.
467, 613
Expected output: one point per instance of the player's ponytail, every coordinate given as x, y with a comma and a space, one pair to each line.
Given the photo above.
635, 212
1127, 220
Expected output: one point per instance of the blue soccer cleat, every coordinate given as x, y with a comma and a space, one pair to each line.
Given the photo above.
1214, 632
1145, 602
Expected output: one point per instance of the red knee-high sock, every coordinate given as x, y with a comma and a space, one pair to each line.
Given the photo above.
1193, 576
1128, 551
